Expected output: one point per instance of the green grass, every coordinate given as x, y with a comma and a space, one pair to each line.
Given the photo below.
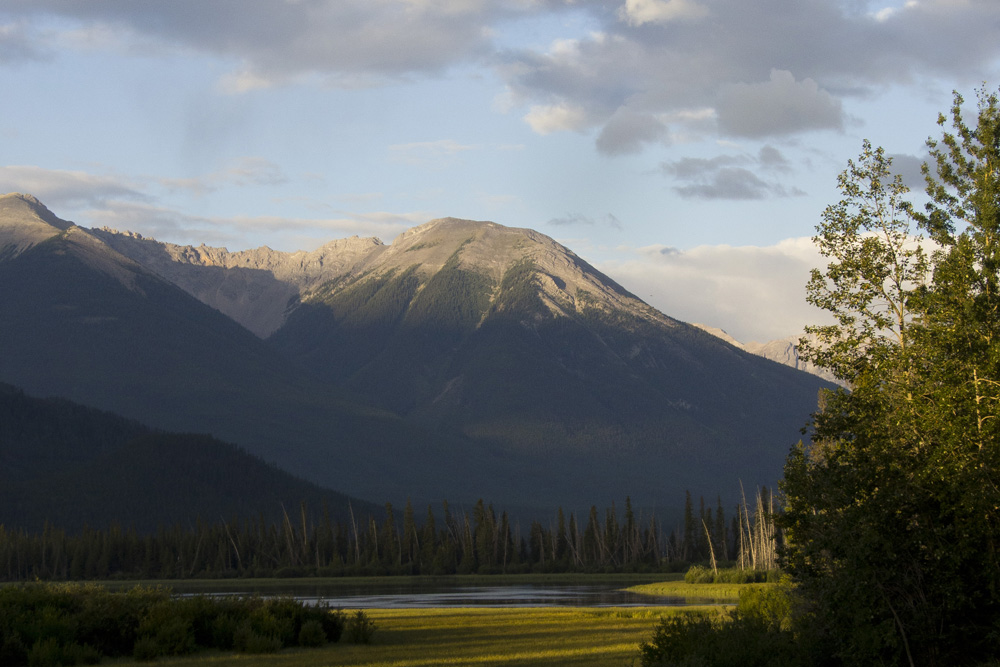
498, 636
682, 589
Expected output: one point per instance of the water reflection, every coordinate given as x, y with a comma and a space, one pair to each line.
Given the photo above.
409, 596
501, 596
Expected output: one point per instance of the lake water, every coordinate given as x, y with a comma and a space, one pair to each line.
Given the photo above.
408, 596
500, 596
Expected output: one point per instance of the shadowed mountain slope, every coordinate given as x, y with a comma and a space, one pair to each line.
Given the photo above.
464, 360
78, 320
510, 338
72, 466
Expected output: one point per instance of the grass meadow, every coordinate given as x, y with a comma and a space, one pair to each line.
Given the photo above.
721, 593
524, 637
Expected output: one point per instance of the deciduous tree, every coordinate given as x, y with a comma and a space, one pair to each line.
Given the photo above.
893, 514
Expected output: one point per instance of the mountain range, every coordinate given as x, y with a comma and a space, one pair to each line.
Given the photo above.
464, 360
72, 466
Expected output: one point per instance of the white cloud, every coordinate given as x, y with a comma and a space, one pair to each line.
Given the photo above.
241, 232
17, 44
753, 293
279, 41
546, 119
638, 12
248, 171
59, 188
244, 81
819, 54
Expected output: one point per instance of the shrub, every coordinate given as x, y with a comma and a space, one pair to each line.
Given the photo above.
360, 628
45, 652
248, 640
698, 574
769, 608
146, 649
757, 634
333, 622
167, 626
55, 624
312, 634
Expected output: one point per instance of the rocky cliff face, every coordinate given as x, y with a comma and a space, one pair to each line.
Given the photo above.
253, 287
26, 223
258, 287
786, 351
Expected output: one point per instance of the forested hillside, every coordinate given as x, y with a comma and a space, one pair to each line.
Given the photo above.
69, 466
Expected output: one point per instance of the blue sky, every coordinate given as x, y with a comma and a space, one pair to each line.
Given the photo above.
685, 147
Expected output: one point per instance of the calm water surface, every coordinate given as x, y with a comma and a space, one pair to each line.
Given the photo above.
408, 596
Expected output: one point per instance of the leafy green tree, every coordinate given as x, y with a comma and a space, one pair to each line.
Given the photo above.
875, 264
893, 514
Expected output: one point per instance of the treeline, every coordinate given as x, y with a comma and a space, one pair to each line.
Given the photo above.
452, 542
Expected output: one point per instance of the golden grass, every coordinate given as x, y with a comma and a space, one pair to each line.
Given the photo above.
682, 589
525, 637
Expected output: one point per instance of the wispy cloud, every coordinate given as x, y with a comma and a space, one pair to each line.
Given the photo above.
239, 232
754, 293
429, 153
730, 176
242, 172
66, 188
577, 219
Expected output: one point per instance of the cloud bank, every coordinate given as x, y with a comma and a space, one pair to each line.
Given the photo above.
754, 293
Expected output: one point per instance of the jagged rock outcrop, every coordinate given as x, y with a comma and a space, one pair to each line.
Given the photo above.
253, 287
25, 222
786, 351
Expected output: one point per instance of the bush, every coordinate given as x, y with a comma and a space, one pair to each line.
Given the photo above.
70, 624
168, 629
146, 649
312, 634
45, 652
332, 621
248, 640
360, 628
698, 574
769, 608
758, 634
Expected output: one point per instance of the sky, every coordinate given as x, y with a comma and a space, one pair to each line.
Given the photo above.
686, 148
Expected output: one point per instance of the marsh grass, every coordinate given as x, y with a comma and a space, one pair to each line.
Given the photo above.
582, 637
728, 593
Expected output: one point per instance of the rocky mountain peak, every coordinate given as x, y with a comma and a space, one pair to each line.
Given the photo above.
253, 287
26, 222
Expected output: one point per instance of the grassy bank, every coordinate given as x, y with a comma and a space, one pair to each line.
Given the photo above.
724, 593
522, 637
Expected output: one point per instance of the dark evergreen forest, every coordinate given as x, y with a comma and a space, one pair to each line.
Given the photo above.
450, 541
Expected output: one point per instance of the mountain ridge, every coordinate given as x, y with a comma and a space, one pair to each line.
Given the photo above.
465, 359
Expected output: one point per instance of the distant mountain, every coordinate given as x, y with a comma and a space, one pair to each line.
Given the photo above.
253, 287
464, 360
782, 350
81, 321
73, 466
786, 351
